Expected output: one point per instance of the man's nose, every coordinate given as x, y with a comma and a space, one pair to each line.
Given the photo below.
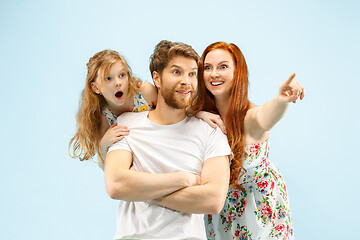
185, 80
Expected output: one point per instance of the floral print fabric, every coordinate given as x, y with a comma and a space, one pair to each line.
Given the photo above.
262, 211
140, 105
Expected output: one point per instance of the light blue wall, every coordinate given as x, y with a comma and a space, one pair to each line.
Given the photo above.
45, 46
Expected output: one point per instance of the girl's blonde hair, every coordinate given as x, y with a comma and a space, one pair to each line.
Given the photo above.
87, 137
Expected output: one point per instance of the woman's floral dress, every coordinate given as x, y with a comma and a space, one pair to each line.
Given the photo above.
262, 211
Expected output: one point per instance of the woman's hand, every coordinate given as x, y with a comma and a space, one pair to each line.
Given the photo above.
212, 119
291, 90
113, 134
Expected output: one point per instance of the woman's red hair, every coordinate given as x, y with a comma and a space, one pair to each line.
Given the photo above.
239, 105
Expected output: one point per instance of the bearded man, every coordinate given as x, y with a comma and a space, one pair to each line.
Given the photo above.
171, 169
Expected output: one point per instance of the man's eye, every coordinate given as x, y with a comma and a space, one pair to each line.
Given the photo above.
193, 74
176, 72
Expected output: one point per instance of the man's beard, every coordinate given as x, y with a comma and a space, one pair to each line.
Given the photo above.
179, 102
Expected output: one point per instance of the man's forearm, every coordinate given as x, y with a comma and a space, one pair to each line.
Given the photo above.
209, 197
140, 186
196, 199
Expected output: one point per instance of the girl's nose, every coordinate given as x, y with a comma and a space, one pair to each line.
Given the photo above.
117, 81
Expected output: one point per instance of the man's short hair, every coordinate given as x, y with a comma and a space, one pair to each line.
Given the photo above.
165, 50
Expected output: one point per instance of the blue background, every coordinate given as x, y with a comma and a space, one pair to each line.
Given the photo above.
45, 46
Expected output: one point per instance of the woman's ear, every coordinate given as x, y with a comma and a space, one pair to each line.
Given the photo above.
95, 88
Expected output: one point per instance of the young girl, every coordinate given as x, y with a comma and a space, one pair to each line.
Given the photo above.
257, 204
110, 90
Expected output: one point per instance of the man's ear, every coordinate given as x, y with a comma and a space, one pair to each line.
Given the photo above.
156, 78
95, 88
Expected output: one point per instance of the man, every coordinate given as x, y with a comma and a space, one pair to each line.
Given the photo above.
181, 165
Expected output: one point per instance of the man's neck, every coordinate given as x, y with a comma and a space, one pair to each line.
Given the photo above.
165, 115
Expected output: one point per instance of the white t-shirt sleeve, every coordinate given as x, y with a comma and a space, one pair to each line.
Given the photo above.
120, 145
217, 144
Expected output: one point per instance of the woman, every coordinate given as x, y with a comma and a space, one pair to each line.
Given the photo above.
257, 205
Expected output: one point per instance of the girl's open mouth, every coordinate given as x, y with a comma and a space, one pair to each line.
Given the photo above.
119, 94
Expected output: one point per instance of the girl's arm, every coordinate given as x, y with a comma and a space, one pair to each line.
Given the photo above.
109, 135
260, 120
149, 92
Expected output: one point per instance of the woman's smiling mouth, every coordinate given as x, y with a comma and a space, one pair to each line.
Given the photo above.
216, 83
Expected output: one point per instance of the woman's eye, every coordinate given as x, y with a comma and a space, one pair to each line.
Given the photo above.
223, 66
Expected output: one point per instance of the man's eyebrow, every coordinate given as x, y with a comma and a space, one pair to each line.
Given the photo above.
176, 66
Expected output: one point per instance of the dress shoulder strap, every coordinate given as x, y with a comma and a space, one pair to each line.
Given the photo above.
110, 116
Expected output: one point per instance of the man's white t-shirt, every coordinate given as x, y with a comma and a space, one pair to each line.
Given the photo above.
183, 146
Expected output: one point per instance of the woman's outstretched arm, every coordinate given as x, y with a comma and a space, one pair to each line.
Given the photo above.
261, 119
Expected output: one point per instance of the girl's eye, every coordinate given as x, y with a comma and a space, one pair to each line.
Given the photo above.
207, 67
122, 75
108, 78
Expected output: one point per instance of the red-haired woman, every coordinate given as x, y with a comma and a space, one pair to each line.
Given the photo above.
257, 204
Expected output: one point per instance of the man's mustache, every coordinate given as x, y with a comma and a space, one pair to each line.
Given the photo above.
186, 89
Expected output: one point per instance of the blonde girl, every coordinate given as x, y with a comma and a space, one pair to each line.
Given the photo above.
110, 90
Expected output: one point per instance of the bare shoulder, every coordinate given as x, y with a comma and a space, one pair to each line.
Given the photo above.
149, 92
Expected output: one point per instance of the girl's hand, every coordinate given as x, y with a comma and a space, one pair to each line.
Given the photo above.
291, 90
113, 134
212, 119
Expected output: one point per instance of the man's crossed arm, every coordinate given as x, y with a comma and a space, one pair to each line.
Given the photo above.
181, 191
